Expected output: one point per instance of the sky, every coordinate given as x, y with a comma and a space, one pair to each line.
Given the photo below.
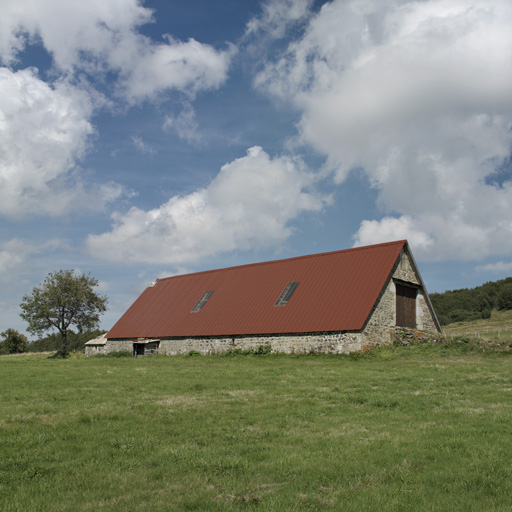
143, 139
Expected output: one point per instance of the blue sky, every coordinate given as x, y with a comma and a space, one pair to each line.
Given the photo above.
145, 139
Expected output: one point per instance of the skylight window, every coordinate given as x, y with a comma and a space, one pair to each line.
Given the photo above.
202, 302
287, 293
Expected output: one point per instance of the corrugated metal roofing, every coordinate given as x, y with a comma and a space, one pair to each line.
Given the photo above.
100, 340
337, 291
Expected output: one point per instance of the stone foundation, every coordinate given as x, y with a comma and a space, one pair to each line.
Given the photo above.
328, 343
313, 343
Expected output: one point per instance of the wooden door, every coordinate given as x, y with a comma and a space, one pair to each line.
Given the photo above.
405, 306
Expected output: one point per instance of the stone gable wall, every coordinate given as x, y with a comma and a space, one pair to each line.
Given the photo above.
380, 328
424, 318
405, 270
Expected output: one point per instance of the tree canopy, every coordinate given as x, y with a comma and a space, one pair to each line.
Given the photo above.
13, 342
504, 299
63, 299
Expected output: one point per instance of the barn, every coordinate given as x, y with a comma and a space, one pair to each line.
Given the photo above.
334, 302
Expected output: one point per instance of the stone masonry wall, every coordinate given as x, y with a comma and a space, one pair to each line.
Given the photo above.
424, 319
405, 271
380, 328
92, 350
119, 346
329, 343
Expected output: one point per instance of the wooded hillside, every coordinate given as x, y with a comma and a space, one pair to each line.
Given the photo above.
472, 303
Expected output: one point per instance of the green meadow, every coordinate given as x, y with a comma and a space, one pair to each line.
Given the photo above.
413, 428
497, 328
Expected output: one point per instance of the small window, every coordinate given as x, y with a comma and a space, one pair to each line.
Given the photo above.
287, 294
201, 302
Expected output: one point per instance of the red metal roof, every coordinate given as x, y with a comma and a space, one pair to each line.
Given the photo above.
337, 291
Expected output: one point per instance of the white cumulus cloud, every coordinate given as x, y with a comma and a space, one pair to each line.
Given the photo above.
189, 67
389, 228
249, 204
45, 126
498, 267
417, 95
15, 255
98, 36
43, 132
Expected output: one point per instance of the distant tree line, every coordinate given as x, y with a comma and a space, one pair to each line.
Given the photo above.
472, 303
13, 342
52, 342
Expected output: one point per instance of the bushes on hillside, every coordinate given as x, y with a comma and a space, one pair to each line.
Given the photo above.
470, 304
504, 300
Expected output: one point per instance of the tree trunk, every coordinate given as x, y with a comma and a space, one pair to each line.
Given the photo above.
64, 344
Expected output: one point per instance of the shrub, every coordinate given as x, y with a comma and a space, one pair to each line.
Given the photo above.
356, 356
121, 353
260, 350
263, 349
13, 342
505, 297
463, 315
486, 313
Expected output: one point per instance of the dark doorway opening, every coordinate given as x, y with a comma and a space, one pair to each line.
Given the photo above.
145, 347
138, 349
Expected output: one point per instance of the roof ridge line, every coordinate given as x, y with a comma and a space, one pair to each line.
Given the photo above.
315, 255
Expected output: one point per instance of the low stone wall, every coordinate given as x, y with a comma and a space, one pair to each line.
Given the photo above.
93, 350
313, 343
404, 336
328, 343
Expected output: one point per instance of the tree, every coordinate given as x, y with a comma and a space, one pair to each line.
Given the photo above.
505, 297
13, 341
61, 300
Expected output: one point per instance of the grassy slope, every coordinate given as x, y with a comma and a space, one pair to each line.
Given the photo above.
499, 326
410, 428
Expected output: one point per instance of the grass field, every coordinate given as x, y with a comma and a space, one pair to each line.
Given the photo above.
416, 428
498, 327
